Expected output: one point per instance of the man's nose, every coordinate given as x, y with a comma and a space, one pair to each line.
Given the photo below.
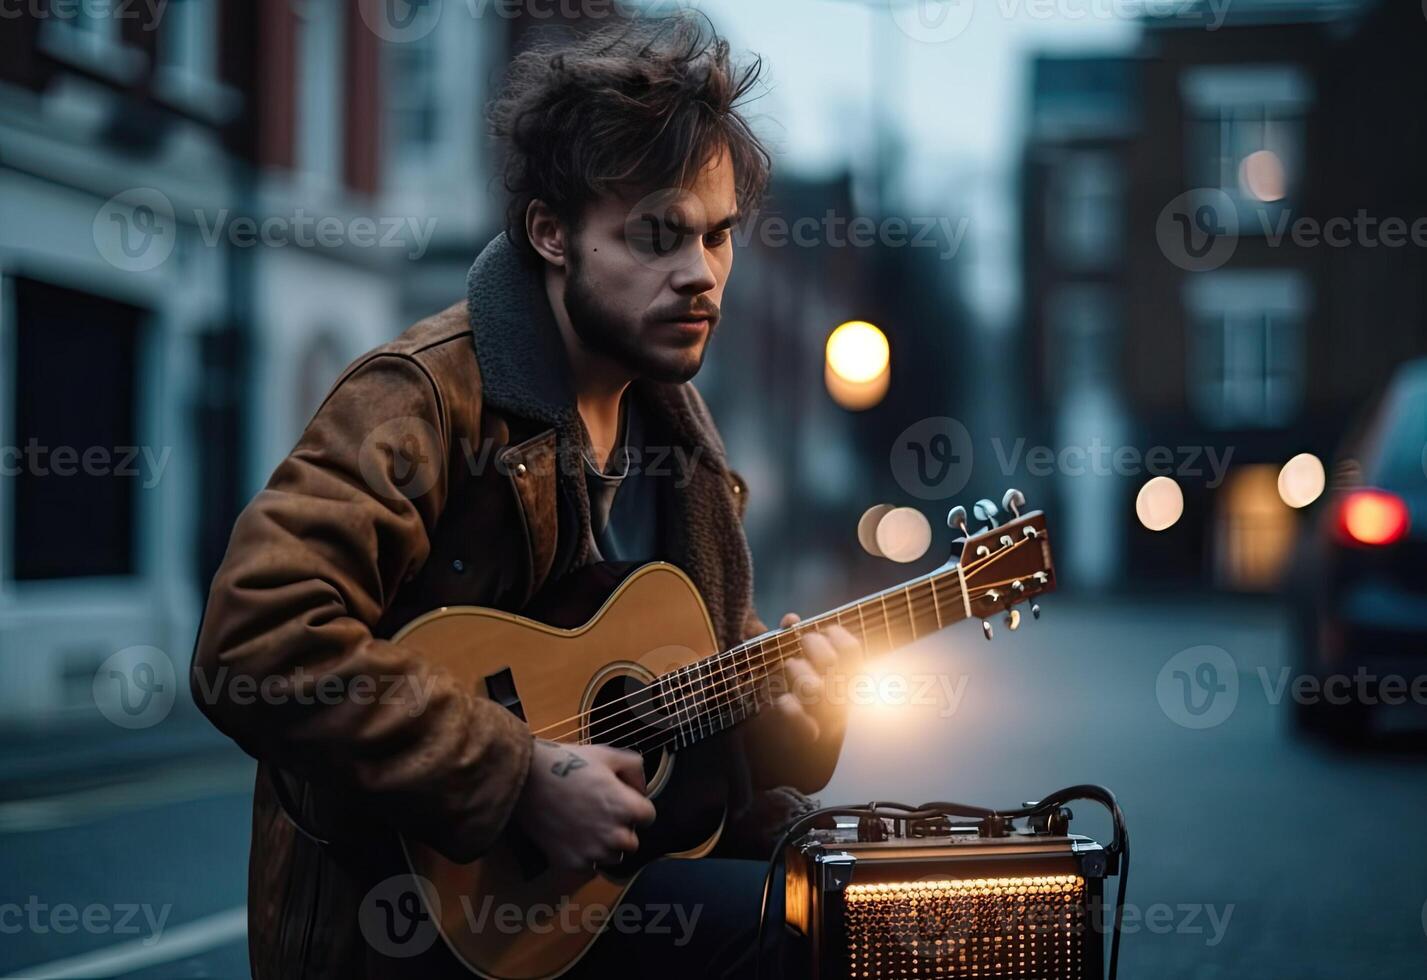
695, 275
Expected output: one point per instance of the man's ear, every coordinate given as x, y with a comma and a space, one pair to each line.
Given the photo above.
546, 232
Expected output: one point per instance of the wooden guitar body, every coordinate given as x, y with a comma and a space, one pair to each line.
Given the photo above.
629, 658
620, 632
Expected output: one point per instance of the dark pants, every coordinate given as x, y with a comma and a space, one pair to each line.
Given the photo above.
688, 919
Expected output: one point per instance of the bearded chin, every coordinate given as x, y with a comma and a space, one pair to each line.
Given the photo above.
602, 331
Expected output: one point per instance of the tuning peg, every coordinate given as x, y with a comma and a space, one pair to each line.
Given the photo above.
1013, 501
1013, 619
985, 510
986, 629
1035, 610
956, 520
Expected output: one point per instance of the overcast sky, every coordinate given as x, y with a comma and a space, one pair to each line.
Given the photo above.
951, 73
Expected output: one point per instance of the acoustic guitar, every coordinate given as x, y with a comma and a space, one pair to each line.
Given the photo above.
627, 656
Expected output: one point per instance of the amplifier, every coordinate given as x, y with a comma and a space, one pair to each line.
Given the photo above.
985, 901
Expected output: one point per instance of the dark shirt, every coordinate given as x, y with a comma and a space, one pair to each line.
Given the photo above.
625, 504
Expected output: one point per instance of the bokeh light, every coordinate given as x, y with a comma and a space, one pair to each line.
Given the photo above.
867, 528
1159, 504
1262, 176
904, 534
1301, 481
857, 365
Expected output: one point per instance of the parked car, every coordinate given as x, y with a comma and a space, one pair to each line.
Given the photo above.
1359, 587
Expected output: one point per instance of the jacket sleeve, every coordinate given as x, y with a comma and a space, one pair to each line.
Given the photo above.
286, 663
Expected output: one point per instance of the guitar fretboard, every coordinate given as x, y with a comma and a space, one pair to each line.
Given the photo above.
712, 695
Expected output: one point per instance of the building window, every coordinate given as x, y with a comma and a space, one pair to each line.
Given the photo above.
1246, 136
321, 94
1246, 359
412, 105
74, 458
1083, 210
89, 34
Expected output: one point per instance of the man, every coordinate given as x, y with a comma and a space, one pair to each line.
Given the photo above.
475, 460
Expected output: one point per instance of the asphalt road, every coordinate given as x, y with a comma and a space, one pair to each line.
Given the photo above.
1254, 854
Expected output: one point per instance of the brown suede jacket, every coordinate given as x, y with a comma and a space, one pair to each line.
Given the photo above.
431, 475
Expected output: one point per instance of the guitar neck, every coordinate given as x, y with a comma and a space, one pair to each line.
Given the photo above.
712, 695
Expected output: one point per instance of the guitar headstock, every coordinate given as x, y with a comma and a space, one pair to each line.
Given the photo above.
1006, 563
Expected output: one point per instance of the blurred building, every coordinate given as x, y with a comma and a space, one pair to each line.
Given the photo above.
202, 219
1258, 340
813, 466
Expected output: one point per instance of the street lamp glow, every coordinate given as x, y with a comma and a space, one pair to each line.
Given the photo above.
1159, 504
857, 352
1301, 481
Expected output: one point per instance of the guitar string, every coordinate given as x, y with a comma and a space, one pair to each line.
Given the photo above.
685, 688
681, 699
660, 736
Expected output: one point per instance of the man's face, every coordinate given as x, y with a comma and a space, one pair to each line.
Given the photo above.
646, 272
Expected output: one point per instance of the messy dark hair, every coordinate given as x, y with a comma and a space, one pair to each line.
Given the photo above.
642, 104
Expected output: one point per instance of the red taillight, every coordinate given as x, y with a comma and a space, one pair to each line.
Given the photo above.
1372, 517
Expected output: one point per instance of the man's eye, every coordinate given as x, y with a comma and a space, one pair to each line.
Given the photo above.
716, 238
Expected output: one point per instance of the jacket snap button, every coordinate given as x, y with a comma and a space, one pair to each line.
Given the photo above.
519, 469
458, 566
737, 488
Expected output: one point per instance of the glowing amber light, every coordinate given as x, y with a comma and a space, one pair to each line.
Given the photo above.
857, 352
970, 886
1372, 517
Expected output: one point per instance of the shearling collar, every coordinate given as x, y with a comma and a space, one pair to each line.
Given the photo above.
524, 370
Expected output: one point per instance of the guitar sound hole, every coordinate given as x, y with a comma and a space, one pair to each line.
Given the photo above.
626, 714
